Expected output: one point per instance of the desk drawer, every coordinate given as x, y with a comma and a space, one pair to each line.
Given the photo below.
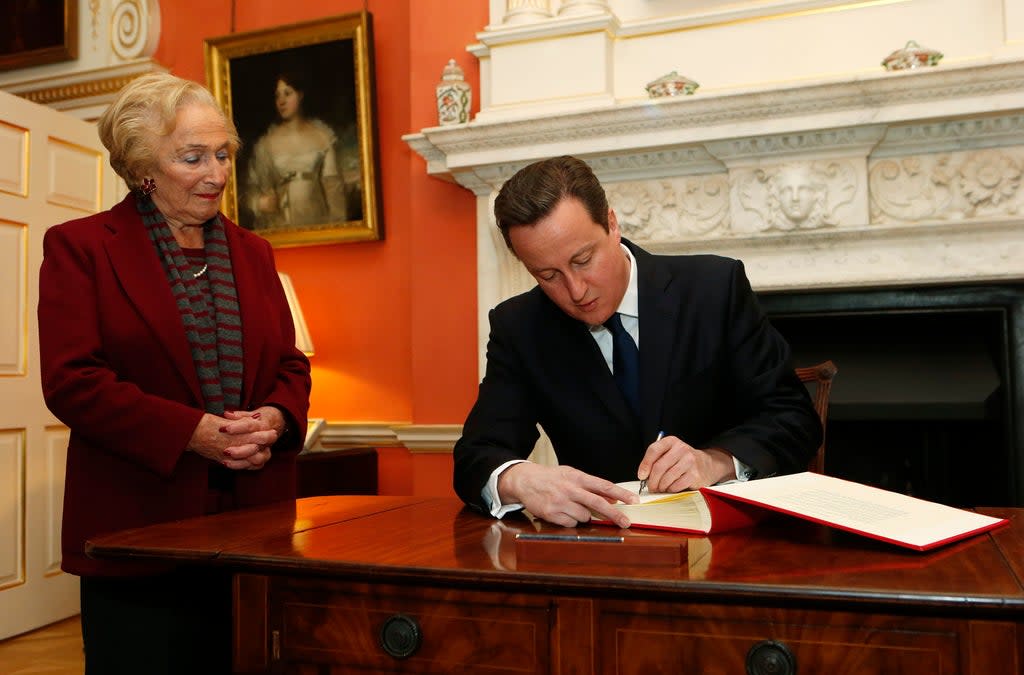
319, 623
641, 638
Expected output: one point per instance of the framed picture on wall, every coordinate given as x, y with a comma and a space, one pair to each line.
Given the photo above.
302, 99
36, 33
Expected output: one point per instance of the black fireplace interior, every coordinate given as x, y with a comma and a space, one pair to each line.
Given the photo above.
928, 394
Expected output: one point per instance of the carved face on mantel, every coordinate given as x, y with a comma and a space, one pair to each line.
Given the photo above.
793, 196
800, 196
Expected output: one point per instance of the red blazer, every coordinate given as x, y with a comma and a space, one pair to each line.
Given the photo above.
117, 370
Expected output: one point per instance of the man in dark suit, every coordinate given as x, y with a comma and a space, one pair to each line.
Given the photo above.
718, 397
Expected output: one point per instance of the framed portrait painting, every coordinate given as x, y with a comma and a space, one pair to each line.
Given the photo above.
34, 33
302, 99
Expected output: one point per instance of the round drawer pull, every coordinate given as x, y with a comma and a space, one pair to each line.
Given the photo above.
400, 636
769, 657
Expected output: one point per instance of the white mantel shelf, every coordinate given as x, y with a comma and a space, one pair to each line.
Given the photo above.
653, 138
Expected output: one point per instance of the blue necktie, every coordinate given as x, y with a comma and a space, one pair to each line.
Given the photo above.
625, 362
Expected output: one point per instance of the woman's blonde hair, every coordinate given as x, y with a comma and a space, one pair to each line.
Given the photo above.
144, 111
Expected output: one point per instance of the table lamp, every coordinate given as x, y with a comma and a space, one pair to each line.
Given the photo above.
302, 340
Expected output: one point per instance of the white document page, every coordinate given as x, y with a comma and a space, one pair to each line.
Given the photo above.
861, 508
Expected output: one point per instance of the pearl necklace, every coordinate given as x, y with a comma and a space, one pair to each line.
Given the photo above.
196, 275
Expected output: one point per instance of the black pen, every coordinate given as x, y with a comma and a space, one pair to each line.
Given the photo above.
569, 537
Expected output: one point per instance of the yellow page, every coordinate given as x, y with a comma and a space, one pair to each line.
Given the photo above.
683, 511
679, 510
653, 497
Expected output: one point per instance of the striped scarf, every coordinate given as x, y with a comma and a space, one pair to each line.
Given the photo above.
214, 331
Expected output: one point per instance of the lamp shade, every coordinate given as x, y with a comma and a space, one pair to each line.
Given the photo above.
302, 340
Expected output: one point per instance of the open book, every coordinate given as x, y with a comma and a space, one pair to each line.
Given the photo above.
861, 509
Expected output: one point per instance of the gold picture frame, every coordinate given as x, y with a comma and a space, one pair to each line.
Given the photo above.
302, 99
38, 33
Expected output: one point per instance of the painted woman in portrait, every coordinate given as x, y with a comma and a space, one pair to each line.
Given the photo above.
294, 175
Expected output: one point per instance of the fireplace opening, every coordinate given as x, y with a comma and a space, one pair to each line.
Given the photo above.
927, 397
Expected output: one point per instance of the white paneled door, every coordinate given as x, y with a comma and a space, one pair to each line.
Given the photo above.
52, 169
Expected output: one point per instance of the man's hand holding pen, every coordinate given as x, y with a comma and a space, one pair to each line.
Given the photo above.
565, 496
562, 495
672, 465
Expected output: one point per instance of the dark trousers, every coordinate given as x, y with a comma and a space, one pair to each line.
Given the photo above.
161, 625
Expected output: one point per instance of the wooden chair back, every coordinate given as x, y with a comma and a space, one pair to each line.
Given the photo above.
821, 375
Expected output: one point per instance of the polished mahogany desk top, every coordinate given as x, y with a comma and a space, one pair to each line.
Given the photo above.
408, 539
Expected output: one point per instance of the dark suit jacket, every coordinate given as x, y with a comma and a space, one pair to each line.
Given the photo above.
117, 370
712, 372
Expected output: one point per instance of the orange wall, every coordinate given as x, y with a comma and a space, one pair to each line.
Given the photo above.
393, 322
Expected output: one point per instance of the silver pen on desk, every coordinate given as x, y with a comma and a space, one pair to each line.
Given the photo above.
529, 536
643, 481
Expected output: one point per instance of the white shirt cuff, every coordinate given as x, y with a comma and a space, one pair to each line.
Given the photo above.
490, 492
743, 472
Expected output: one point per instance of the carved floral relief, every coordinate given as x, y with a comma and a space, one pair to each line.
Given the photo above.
947, 186
937, 191
990, 179
784, 197
688, 207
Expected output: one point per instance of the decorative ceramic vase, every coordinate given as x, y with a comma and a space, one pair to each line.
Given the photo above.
672, 84
911, 56
454, 96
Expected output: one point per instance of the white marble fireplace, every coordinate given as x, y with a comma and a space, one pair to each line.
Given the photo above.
815, 180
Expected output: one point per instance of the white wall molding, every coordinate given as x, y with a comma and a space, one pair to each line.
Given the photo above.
429, 437
116, 42
414, 437
341, 434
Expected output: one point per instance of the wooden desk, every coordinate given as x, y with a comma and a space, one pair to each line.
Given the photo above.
318, 579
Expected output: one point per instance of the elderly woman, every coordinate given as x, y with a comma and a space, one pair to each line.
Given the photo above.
168, 349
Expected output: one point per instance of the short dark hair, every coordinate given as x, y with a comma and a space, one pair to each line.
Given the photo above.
535, 190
